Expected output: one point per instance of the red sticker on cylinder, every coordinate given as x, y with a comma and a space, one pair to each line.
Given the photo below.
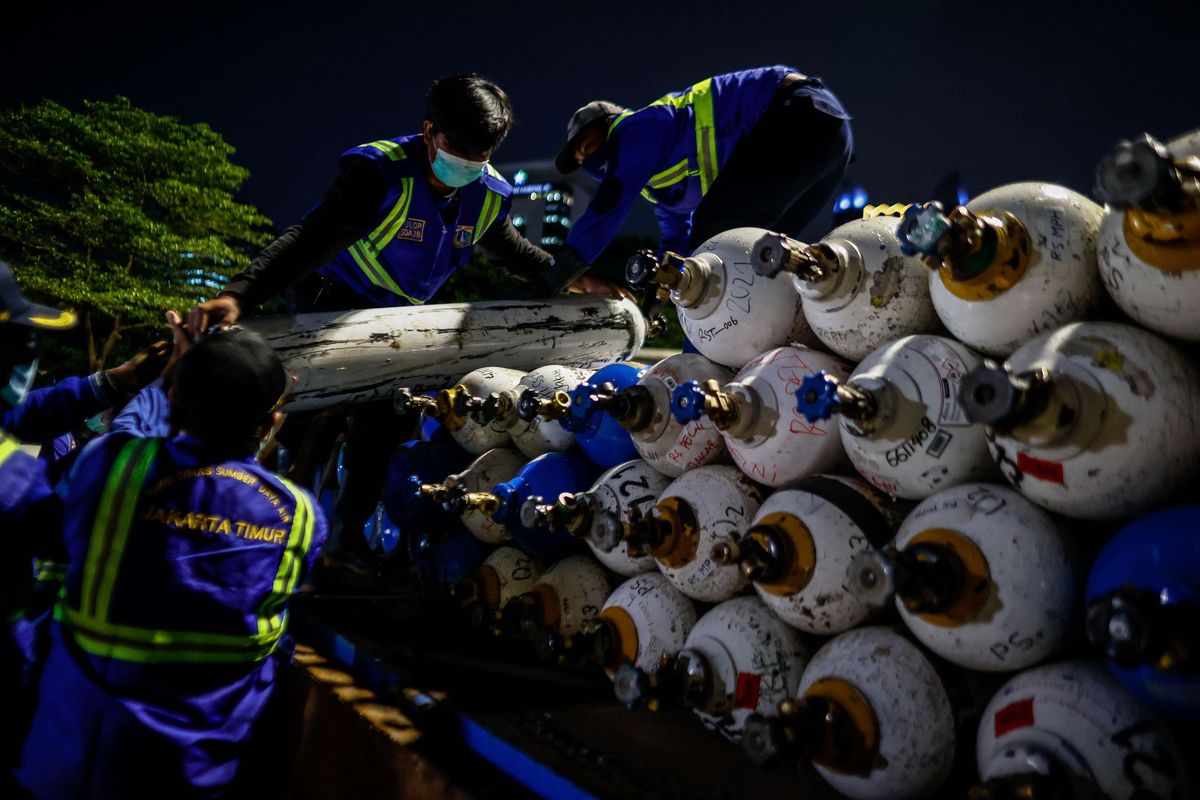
748, 685
1042, 470
1013, 716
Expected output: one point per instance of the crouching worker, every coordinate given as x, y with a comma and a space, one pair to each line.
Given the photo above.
182, 554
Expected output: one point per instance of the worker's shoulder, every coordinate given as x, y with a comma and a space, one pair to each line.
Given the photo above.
493, 181
643, 123
280, 484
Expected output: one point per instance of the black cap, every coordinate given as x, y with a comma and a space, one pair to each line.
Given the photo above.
594, 111
226, 384
16, 310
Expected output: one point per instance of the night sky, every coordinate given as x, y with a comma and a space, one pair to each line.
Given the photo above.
1000, 91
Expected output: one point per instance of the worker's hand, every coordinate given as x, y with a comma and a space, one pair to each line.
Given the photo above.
224, 311
585, 284
181, 340
144, 367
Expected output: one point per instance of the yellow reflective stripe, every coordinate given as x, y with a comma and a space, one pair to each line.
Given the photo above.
100, 546
487, 214
376, 273
388, 229
120, 531
389, 148
669, 176
8, 446
145, 645
290, 562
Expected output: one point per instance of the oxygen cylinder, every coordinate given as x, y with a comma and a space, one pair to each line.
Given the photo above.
601, 437
726, 310
601, 515
738, 659
1095, 420
1071, 730
872, 715
1143, 608
698, 510
644, 409
497, 465
901, 423
566, 596
504, 574
1014, 262
1149, 245
547, 475
446, 556
857, 288
799, 547
980, 575
455, 407
644, 620
756, 413
413, 463
532, 434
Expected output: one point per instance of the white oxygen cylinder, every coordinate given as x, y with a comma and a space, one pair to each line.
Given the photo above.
566, 596
495, 466
889, 693
667, 445
768, 438
980, 575
1096, 420
703, 508
800, 544
539, 435
506, 573
644, 619
632, 487
1149, 245
1034, 269
1073, 725
859, 289
472, 436
726, 310
902, 425
740, 658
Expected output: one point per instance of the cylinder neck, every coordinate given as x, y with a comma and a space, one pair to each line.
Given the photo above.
633, 407
979, 254
942, 576
434, 492
615, 638
834, 725
453, 407
778, 554
814, 264
685, 279
865, 405
670, 532
1022, 771
1033, 407
573, 513
1134, 627
697, 683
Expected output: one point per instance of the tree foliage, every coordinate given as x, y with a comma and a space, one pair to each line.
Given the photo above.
118, 213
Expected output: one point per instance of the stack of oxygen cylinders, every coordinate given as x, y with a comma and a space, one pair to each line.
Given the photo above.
916, 514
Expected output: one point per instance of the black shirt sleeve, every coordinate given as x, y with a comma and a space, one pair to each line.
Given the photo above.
344, 215
506, 247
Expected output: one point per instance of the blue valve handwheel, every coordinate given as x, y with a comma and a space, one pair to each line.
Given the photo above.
687, 402
817, 397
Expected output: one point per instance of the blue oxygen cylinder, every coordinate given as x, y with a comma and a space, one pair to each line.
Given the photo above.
601, 437
447, 559
416, 462
545, 477
1143, 609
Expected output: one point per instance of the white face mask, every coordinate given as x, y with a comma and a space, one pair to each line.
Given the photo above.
455, 171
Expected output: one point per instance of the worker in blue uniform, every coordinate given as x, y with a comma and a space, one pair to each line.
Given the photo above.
402, 216
183, 554
763, 148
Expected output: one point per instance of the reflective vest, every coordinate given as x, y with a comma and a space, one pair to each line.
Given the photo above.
412, 249
197, 567
697, 98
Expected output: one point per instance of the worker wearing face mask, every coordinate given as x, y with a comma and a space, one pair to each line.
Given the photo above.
405, 214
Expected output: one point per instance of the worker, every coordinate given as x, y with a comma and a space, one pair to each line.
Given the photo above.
182, 555
761, 148
402, 216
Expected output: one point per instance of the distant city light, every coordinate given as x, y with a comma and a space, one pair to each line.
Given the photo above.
520, 177
963, 197
860, 197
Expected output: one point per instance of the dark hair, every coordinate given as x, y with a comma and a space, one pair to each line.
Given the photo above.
473, 113
226, 386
